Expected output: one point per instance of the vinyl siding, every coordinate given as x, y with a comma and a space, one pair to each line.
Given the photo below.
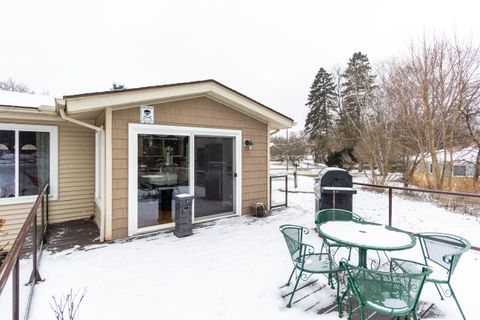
197, 112
75, 180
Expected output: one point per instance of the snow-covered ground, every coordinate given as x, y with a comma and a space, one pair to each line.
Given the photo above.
233, 268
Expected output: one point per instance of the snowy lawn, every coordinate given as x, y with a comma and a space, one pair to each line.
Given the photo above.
233, 268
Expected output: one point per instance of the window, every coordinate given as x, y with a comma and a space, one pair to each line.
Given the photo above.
98, 165
28, 160
459, 170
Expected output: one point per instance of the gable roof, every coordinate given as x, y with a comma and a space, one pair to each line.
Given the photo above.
170, 92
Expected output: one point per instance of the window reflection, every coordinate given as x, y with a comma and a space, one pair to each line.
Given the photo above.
34, 161
162, 170
7, 164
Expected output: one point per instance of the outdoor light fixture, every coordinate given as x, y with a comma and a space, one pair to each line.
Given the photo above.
248, 144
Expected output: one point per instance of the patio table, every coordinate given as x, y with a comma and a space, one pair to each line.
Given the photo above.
366, 236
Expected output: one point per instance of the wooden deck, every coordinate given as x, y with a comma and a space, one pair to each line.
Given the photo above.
81, 234
305, 299
75, 234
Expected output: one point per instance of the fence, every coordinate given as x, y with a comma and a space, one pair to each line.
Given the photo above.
390, 197
20, 267
278, 191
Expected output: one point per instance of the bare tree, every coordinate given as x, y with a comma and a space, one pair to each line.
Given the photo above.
428, 92
12, 85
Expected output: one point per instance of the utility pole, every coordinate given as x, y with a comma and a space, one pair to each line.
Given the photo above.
287, 152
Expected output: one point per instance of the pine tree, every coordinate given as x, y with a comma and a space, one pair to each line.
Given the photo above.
357, 95
319, 124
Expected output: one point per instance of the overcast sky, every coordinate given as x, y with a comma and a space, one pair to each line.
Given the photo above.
268, 50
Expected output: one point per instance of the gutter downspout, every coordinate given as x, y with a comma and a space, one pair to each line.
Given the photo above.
61, 105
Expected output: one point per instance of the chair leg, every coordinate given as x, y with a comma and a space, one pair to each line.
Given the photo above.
456, 301
362, 312
294, 289
338, 296
350, 307
289, 279
438, 289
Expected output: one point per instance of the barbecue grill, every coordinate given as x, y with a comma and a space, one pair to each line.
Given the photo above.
333, 189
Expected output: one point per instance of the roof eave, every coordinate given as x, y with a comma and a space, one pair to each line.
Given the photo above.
161, 94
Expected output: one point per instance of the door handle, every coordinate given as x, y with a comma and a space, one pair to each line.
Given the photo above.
235, 175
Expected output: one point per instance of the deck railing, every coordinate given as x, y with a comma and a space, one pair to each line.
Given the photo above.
390, 197
23, 258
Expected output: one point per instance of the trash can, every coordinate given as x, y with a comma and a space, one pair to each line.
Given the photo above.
333, 189
182, 211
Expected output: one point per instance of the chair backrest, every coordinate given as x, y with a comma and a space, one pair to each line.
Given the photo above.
325, 215
387, 290
443, 249
293, 236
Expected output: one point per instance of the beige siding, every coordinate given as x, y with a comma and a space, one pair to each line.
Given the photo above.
75, 179
198, 112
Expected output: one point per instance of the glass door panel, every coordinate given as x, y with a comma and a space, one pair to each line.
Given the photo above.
162, 169
214, 176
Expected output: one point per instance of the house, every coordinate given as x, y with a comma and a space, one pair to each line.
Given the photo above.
119, 156
460, 162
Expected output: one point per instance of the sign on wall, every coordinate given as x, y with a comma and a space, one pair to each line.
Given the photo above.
146, 114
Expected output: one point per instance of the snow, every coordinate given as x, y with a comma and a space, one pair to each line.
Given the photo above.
234, 268
370, 236
468, 155
25, 100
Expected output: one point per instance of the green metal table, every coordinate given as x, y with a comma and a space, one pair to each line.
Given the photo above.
366, 236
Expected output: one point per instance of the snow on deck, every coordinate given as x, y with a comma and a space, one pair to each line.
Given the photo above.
233, 268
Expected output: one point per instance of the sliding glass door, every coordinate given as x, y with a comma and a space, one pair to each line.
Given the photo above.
214, 176
164, 160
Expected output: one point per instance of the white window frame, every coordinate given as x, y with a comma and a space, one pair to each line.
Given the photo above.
134, 129
53, 130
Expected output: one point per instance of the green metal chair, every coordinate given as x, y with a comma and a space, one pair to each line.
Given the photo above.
386, 293
441, 253
326, 215
305, 261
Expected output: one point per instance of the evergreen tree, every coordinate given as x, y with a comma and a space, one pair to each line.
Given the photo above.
357, 95
319, 124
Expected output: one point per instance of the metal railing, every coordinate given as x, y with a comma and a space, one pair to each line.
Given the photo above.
390, 197
275, 202
27, 246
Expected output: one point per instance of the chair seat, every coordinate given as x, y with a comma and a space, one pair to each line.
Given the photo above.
439, 274
317, 263
391, 306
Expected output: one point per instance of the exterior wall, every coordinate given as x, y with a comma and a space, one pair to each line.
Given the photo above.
469, 169
75, 179
197, 112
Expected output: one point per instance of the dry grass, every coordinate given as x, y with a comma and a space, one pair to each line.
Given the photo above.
468, 185
466, 205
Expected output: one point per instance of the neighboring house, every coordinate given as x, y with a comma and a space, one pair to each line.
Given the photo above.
120, 155
461, 161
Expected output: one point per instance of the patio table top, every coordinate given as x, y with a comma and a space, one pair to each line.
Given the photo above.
367, 235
